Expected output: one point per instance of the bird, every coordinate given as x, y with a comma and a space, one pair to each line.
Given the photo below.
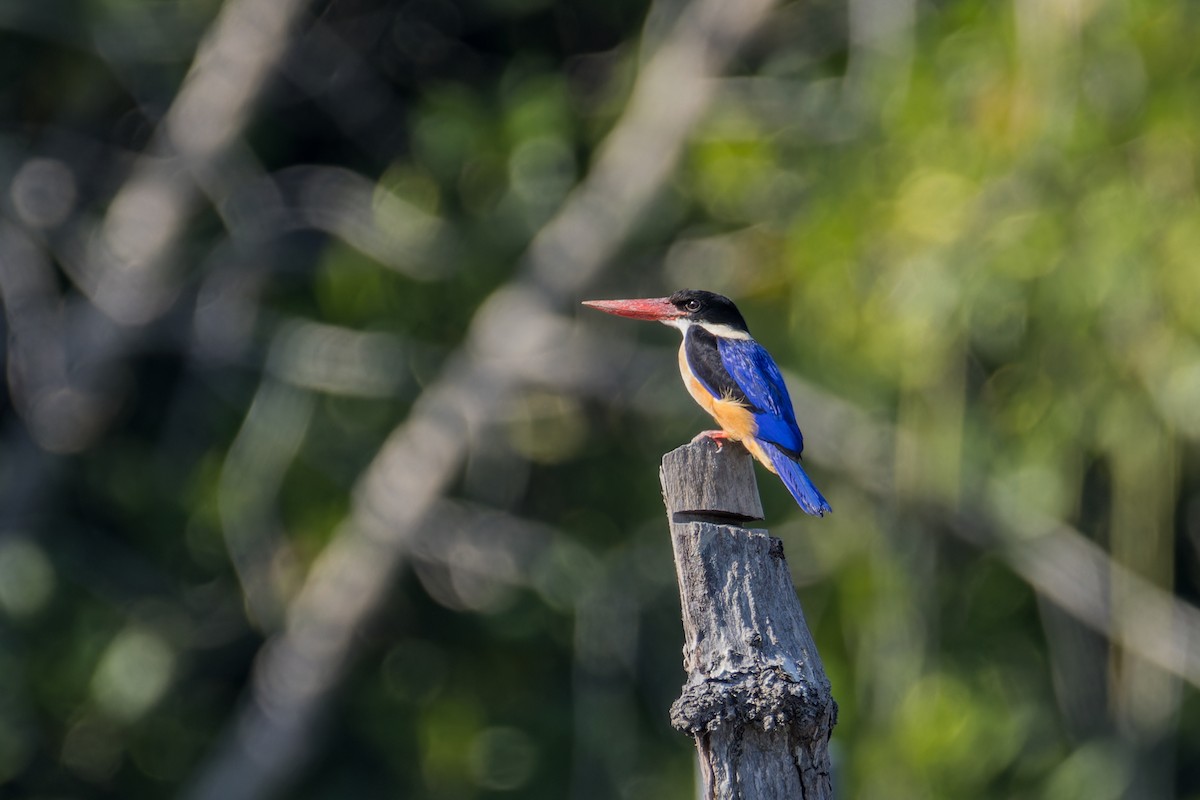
734, 379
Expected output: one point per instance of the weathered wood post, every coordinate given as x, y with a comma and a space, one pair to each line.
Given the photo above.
756, 700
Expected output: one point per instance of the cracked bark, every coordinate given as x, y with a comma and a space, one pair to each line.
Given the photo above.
756, 699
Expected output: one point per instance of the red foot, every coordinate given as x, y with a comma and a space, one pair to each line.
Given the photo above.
720, 437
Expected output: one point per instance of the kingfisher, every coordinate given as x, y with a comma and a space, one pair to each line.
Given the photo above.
734, 379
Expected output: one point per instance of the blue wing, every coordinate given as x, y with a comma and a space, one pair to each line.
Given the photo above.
755, 373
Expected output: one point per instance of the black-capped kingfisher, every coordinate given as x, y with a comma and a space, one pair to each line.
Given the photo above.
734, 379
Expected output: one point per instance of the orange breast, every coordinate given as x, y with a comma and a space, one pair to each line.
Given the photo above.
733, 417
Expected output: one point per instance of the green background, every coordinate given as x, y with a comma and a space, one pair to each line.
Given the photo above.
969, 232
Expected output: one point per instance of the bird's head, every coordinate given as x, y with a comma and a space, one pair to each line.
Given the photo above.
712, 311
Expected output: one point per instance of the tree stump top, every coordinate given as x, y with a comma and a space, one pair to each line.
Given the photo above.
702, 481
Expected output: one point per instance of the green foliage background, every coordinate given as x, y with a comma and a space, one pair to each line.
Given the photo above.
969, 231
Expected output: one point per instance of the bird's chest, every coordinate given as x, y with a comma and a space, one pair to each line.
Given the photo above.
733, 417
695, 388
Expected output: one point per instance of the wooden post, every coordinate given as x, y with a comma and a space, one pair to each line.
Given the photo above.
756, 700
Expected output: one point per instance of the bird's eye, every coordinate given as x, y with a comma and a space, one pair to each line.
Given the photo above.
692, 305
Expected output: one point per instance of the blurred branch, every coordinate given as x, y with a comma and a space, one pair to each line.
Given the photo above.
674, 88
58, 413
365, 216
251, 477
340, 361
466, 555
297, 670
1076, 574
882, 41
128, 271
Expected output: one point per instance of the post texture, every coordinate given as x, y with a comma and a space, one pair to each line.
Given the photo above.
756, 700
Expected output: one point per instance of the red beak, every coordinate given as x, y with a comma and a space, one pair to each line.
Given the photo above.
655, 309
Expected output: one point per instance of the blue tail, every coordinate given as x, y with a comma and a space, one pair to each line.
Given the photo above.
797, 481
